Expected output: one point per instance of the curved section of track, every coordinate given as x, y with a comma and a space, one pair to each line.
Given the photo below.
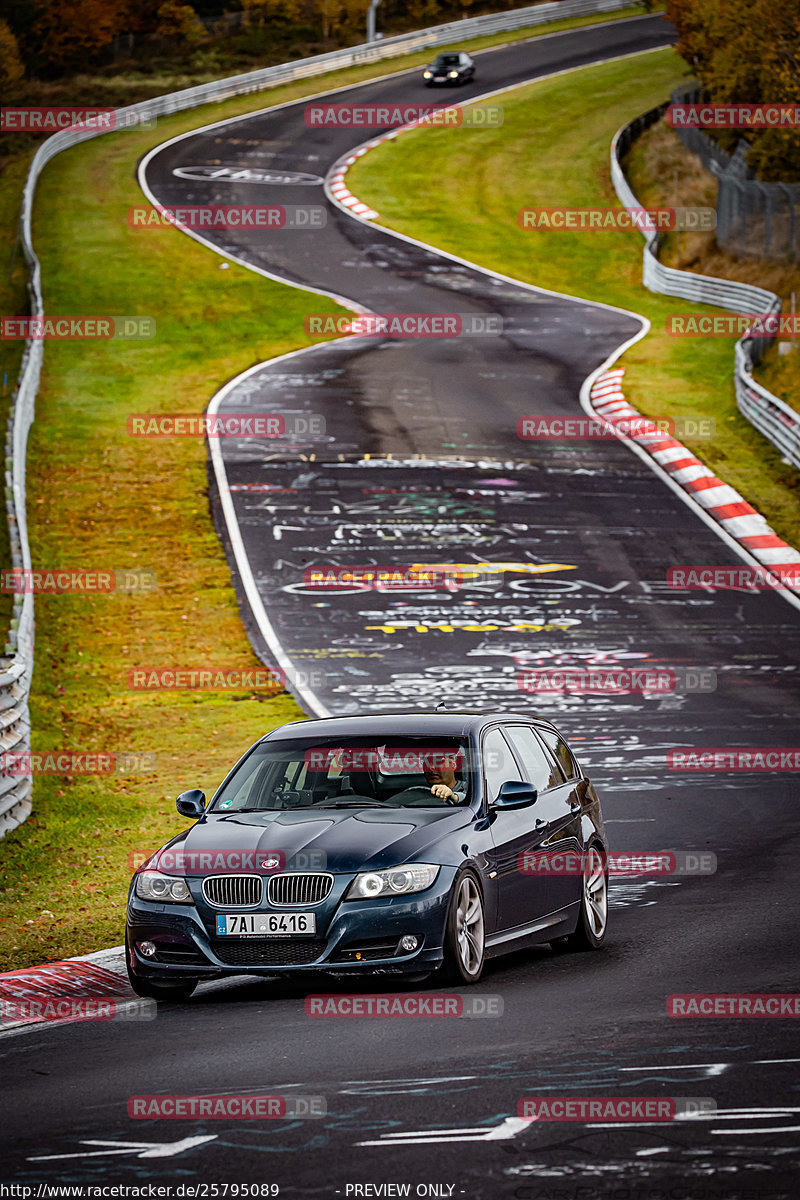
589, 532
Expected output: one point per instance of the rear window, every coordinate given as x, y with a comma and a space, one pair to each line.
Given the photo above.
561, 752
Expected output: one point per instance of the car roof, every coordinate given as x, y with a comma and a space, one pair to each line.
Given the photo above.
419, 724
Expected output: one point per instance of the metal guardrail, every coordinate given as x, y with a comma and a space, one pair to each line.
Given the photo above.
775, 419
16, 665
755, 218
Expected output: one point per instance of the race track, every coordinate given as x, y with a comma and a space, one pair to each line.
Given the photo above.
420, 463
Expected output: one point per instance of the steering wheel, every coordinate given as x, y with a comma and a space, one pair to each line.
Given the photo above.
418, 797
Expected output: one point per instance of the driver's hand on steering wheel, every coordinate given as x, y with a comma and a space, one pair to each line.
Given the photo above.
443, 792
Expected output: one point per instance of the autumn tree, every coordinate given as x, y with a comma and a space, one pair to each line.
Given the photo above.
336, 17
264, 12
11, 69
179, 23
69, 35
748, 52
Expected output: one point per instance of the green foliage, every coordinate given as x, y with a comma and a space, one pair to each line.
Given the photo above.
179, 22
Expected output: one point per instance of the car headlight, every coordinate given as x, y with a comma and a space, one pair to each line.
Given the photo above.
152, 885
397, 881
427, 74
453, 74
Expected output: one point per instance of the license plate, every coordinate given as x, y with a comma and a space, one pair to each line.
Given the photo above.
265, 924
439, 78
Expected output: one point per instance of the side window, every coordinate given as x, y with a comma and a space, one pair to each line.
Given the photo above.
541, 773
561, 752
499, 764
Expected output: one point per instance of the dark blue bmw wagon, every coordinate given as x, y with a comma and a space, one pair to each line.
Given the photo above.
389, 845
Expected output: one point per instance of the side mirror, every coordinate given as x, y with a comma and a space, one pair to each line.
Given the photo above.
192, 803
515, 793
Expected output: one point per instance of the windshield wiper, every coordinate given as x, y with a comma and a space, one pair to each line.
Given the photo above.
351, 804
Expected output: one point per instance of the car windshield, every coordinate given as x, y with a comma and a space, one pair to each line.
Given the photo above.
446, 60
349, 773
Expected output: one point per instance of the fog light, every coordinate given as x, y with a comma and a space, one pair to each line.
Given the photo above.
409, 943
146, 949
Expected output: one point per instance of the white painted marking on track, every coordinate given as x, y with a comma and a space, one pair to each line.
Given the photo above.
712, 1068
140, 1149
773, 1129
722, 1114
507, 1129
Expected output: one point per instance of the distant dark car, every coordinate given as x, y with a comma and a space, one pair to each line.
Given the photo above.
449, 69
380, 844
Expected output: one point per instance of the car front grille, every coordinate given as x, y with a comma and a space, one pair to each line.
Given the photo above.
233, 891
187, 956
278, 952
299, 888
368, 950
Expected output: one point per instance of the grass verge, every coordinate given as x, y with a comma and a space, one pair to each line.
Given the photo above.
553, 149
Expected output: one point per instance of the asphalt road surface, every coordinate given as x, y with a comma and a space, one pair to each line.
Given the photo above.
431, 1105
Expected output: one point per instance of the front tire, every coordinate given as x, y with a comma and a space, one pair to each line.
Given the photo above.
590, 933
465, 932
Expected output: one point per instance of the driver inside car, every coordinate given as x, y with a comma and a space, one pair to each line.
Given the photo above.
442, 780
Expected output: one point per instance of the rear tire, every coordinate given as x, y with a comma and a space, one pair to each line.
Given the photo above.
465, 932
590, 933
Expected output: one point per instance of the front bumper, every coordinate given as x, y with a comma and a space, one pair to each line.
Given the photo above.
187, 948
